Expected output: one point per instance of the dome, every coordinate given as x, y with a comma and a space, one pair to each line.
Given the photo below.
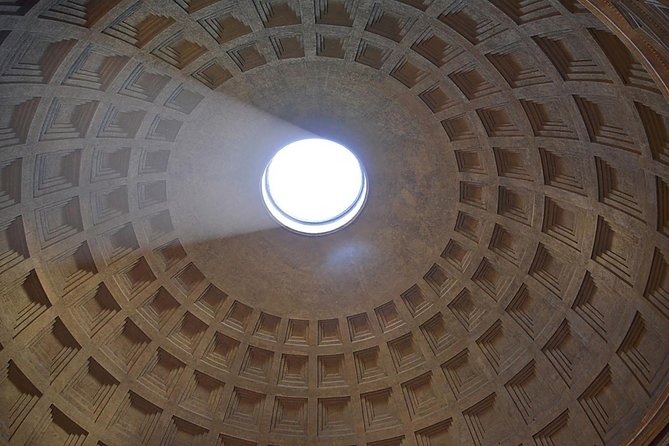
505, 282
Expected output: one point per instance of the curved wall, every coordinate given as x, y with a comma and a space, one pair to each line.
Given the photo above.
506, 284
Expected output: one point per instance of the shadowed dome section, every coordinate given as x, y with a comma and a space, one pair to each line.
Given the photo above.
506, 283
314, 186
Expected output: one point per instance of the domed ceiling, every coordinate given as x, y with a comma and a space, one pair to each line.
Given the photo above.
507, 282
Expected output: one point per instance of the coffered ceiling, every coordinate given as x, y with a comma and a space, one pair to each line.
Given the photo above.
506, 283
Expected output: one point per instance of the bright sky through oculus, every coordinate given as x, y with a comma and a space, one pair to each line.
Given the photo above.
314, 186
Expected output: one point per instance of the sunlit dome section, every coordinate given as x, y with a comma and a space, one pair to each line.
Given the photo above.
314, 186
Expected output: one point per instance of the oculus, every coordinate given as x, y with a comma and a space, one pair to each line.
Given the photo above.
314, 186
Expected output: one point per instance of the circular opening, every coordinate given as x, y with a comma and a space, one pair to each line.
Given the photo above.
314, 186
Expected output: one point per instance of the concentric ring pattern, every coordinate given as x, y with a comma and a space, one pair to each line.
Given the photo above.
543, 320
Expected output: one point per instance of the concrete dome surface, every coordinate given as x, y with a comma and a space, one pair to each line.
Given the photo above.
506, 283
